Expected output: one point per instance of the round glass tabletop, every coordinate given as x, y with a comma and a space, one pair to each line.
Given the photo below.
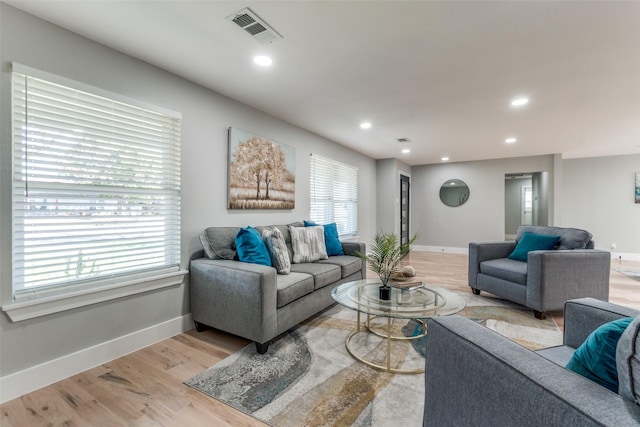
416, 303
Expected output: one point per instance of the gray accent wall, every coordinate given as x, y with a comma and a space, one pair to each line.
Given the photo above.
206, 116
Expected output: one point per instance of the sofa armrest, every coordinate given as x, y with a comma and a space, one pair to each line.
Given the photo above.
235, 297
584, 315
479, 252
556, 276
475, 376
350, 248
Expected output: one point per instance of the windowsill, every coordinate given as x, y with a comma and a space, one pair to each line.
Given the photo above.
18, 311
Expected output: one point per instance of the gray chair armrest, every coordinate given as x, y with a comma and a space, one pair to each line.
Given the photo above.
554, 277
479, 252
475, 376
584, 315
236, 297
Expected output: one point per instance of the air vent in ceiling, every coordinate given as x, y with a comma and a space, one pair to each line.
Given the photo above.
254, 26
404, 140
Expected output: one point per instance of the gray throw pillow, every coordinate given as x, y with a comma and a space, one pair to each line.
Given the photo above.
277, 249
628, 362
308, 244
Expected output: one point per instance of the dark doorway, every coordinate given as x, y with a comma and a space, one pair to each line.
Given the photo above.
404, 208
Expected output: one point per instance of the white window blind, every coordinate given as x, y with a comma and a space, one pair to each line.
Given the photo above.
96, 189
334, 194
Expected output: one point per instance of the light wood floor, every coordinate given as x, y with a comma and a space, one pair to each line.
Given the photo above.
145, 388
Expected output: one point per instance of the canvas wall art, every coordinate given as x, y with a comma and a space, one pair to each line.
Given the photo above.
261, 172
637, 187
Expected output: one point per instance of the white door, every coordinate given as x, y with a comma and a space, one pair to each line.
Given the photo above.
526, 201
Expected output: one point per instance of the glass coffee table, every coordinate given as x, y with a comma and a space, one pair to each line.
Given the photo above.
415, 304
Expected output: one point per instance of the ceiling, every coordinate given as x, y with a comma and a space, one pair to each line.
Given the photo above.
441, 73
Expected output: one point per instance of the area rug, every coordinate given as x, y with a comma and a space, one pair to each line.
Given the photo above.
634, 274
307, 378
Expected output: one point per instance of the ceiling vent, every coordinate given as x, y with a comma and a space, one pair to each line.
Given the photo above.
254, 26
404, 140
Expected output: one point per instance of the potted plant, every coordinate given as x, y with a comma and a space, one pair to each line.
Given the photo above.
385, 255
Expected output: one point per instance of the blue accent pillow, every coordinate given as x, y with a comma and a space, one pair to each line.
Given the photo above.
331, 239
533, 242
251, 247
595, 359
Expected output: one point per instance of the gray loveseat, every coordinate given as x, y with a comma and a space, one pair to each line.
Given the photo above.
476, 377
549, 277
253, 301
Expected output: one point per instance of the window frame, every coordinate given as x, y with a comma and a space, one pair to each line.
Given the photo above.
44, 300
347, 195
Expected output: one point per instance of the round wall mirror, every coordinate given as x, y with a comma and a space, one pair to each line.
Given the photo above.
454, 192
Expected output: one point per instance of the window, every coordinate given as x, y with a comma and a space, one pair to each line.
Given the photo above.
334, 195
96, 189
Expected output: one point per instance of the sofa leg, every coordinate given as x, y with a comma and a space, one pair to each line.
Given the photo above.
539, 314
200, 327
262, 348
475, 291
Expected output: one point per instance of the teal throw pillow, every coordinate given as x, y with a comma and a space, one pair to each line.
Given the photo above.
251, 247
533, 242
595, 359
331, 239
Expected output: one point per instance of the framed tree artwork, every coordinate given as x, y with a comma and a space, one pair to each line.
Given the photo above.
261, 172
637, 187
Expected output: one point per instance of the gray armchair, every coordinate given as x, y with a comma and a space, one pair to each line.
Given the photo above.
549, 277
476, 377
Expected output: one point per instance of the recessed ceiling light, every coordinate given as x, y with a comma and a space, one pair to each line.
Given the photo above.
510, 140
445, 159
405, 151
262, 60
518, 102
365, 125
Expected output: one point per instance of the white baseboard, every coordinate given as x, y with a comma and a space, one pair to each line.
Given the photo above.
440, 249
31, 379
624, 256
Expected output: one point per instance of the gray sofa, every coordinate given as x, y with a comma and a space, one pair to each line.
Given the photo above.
474, 376
253, 301
549, 277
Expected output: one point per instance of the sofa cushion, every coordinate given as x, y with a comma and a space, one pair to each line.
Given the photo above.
219, 242
331, 238
628, 362
348, 264
505, 268
278, 251
292, 286
323, 274
307, 244
570, 238
532, 242
251, 247
595, 359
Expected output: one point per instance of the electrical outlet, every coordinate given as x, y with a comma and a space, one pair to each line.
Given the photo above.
613, 246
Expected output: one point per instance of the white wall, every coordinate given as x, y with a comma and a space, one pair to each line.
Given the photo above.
206, 116
598, 195
482, 217
388, 190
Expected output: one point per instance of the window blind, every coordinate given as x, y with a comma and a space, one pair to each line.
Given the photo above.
96, 188
334, 194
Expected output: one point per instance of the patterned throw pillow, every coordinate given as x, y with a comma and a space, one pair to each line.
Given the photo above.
308, 244
277, 249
